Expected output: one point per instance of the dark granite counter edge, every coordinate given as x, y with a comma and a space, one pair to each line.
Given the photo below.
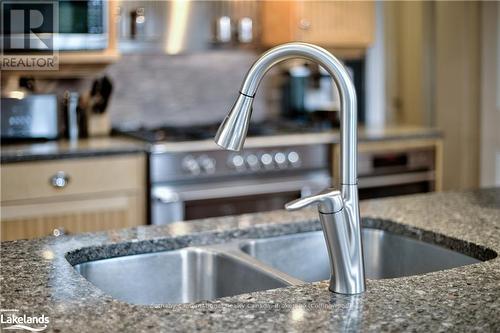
209, 237
141, 147
8, 159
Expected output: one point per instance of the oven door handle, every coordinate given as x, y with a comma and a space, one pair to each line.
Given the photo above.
165, 196
397, 179
171, 194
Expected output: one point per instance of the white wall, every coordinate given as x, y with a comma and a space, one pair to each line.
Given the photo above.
458, 91
375, 103
490, 95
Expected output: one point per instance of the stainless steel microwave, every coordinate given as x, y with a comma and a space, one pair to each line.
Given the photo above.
69, 25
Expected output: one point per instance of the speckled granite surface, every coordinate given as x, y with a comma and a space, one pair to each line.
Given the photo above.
121, 145
62, 149
36, 277
396, 133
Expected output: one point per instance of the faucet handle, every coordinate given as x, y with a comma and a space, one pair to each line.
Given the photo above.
329, 201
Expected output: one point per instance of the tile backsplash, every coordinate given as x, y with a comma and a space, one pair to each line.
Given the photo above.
199, 88
158, 89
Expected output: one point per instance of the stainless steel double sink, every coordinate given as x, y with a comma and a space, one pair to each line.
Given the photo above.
209, 272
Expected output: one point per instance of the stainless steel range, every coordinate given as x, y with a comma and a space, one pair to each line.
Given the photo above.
191, 178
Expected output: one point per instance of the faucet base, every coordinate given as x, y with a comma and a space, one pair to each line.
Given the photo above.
343, 240
332, 288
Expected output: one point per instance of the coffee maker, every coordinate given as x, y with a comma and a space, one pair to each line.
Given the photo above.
308, 93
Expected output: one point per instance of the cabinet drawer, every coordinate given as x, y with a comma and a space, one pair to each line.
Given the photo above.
32, 180
91, 214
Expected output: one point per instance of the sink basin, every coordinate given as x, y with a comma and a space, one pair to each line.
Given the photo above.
304, 256
208, 272
179, 276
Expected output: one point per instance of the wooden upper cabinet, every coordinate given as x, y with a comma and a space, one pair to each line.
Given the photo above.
335, 24
279, 22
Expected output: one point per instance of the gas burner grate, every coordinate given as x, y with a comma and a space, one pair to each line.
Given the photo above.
204, 132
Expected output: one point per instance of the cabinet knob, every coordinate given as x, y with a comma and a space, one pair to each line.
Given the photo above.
304, 24
59, 180
191, 165
58, 232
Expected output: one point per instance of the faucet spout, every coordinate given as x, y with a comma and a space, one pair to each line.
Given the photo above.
341, 226
232, 132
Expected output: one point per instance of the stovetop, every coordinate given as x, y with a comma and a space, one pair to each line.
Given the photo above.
204, 132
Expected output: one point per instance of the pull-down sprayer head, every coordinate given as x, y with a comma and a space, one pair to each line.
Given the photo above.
233, 130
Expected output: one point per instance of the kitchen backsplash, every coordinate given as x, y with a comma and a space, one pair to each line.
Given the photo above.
198, 88
156, 90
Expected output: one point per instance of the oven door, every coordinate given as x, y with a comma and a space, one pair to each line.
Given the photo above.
396, 184
210, 199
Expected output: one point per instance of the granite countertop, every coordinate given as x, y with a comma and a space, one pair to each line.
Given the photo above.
324, 137
61, 149
36, 277
101, 146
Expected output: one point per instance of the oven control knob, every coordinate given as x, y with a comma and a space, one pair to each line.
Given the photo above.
191, 165
237, 162
293, 158
267, 160
253, 162
207, 164
280, 159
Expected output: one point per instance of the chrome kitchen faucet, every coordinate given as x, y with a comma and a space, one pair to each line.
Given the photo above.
338, 210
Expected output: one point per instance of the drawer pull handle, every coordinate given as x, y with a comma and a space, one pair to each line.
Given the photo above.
304, 24
58, 232
59, 180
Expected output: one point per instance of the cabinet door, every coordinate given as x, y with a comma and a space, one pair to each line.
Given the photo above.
335, 24
348, 24
27, 220
279, 22
72, 196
